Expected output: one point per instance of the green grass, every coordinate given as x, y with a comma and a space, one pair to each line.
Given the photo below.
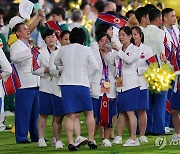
8, 145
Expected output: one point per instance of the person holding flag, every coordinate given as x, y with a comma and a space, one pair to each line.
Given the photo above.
171, 43
27, 97
172, 33
103, 90
170, 27
109, 16
154, 38
59, 16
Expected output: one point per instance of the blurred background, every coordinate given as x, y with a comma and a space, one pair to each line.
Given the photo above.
124, 5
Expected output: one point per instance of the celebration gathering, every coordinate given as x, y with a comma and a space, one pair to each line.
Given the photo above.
92, 76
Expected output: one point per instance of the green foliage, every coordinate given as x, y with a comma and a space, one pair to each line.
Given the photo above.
8, 145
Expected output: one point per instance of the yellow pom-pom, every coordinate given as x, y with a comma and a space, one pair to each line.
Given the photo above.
87, 23
159, 79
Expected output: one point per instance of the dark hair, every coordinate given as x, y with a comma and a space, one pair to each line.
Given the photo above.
99, 6
129, 12
126, 29
64, 33
166, 11
150, 6
83, 5
159, 5
2, 11
153, 14
178, 21
8, 17
77, 35
48, 32
14, 8
141, 12
119, 8
138, 29
59, 11
98, 37
102, 28
16, 28
48, 16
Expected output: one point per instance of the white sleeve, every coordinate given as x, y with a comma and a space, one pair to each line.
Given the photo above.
5, 65
160, 42
141, 70
92, 63
128, 59
57, 60
52, 70
40, 70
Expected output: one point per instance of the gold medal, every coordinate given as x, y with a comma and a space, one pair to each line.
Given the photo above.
106, 84
119, 82
119, 79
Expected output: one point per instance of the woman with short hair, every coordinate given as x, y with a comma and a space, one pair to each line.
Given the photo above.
76, 59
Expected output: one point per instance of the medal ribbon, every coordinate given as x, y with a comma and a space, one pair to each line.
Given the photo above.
105, 69
120, 67
173, 36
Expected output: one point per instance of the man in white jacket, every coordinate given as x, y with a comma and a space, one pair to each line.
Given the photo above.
154, 38
26, 98
172, 34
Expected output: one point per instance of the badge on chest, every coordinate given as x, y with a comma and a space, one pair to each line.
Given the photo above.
142, 56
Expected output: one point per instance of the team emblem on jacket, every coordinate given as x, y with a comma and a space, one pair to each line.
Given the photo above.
142, 55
